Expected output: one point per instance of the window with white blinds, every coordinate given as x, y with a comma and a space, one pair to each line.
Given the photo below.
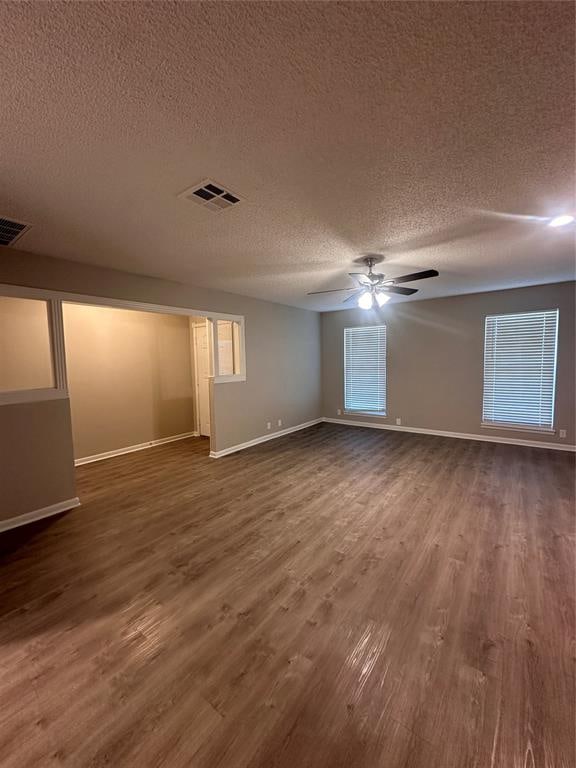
365, 369
520, 369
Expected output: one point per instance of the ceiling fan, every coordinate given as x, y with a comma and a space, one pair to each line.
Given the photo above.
372, 288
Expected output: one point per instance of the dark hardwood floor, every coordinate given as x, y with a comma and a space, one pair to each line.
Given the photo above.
339, 598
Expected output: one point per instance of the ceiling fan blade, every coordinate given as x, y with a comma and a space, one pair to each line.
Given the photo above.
415, 276
398, 289
353, 296
332, 290
360, 278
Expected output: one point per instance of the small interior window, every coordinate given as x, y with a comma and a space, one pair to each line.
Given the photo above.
229, 347
25, 350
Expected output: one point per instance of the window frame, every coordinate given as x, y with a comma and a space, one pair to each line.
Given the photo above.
516, 426
57, 357
241, 374
373, 413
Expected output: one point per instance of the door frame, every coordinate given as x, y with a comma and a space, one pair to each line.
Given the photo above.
206, 329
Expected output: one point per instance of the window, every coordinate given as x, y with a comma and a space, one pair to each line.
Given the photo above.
25, 346
520, 370
229, 345
365, 369
228, 348
32, 366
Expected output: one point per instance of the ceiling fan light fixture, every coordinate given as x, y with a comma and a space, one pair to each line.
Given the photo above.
365, 301
371, 288
561, 221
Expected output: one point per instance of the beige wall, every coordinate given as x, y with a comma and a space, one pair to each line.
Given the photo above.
129, 375
25, 361
435, 359
282, 358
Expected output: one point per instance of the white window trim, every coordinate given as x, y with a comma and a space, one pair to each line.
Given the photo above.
241, 375
57, 355
55, 299
515, 427
350, 411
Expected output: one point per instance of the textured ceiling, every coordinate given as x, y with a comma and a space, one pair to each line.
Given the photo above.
347, 128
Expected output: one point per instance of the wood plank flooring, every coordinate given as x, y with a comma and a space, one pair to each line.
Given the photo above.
338, 598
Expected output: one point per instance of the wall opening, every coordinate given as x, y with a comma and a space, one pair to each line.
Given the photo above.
25, 345
33, 373
131, 378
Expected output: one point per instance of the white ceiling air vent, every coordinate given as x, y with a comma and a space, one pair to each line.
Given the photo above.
11, 230
211, 195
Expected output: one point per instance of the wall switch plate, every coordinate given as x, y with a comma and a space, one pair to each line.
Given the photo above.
339, 412
268, 425
398, 422
562, 433
279, 422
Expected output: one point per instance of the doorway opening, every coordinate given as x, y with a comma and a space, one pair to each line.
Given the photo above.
136, 379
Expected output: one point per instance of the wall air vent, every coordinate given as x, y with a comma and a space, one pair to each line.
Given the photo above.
11, 230
211, 195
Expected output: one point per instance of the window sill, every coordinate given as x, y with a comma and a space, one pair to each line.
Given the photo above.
32, 396
228, 379
376, 414
517, 427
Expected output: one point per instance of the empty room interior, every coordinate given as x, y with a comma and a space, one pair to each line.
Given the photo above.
287, 384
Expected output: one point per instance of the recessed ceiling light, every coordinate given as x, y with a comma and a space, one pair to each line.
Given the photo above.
561, 221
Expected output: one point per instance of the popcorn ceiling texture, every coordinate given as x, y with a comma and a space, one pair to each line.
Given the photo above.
346, 128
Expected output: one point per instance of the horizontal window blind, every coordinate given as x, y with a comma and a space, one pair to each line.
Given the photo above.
365, 369
520, 369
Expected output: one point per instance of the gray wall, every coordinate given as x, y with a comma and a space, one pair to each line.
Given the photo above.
129, 375
282, 359
36, 461
435, 359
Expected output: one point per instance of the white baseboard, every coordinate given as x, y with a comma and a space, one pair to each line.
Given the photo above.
132, 448
39, 514
263, 439
459, 435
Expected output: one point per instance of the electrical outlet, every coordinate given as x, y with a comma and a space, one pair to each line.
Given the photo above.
268, 425
339, 412
279, 422
562, 433
398, 422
